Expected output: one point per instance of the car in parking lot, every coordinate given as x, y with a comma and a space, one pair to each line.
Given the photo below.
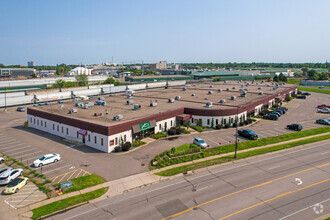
270, 117
247, 133
323, 106
200, 142
16, 185
306, 93
2, 160
276, 113
301, 97
60, 102
2, 170
9, 175
296, 127
46, 159
323, 121
21, 109
323, 110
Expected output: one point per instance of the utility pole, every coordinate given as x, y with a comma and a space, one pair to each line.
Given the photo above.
236, 142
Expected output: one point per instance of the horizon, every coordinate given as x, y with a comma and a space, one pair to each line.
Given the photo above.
80, 31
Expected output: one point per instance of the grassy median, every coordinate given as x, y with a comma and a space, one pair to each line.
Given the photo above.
325, 91
65, 203
202, 164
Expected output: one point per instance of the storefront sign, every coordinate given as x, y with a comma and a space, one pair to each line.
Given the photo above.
66, 184
144, 126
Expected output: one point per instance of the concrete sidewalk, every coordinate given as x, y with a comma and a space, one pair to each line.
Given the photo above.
125, 184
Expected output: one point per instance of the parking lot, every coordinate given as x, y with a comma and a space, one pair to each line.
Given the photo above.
27, 144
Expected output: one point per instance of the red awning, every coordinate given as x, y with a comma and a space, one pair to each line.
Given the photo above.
183, 117
82, 132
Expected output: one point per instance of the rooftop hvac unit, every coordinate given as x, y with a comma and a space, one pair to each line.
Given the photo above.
259, 88
118, 117
90, 104
242, 85
112, 95
275, 88
246, 89
184, 88
130, 102
171, 100
257, 83
222, 100
227, 89
268, 85
103, 103
211, 86
209, 104
101, 98
129, 92
74, 110
177, 97
193, 94
243, 94
153, 104
98, 114
261, 93
219, 90
210, 92
86, 106
233, 97
137, 107
234, 87
253, 81
225, 81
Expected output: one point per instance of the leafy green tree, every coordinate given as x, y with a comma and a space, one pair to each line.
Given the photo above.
61, 69
304, 70
59, 83
82, 80
111, 80
275, 78
312, 74
298, 73
323, 76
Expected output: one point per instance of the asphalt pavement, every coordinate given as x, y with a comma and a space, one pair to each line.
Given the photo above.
290, 184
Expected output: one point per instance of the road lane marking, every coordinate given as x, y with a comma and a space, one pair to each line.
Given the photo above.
80, 214
276, 197
242, 190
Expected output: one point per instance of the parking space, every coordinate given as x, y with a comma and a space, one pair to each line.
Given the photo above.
69, 175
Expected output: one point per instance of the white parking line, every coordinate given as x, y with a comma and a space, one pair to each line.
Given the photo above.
212, 141
24, 197
6, 151
24, 151
22, 193
222, 141
36, 157
37, 152
273, 167
27, 200
11, 143
4, 140
56, 169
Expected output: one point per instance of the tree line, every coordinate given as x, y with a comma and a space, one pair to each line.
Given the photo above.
82, 80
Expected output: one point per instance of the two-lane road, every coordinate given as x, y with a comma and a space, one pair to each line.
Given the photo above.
292, 184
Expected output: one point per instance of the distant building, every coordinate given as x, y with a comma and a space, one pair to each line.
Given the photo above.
31, 63
79, 71
110, 64
15, 72
158, 66
175, 72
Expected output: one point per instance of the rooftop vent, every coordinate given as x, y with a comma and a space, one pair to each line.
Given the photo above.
283, 83
210, 92
153, 104
130, 102
275, 88
272, 83
137, 107
118, 117
243, 94
177, 97
261, 93
257, 83
242, 85
171, 100
74, 110
184, 88
211, 86
103, 103
227, 89
209, 104
222, 100
246, 89
234, 87
193, 94
129, 92
98, 114
262, 81
268, 85
259, 88
205, 98
225, 81
219, 90
233, 97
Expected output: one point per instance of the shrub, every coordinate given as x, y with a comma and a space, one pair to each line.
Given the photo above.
241, 123
264, 112
126, 146
171, 131
253, 120
158, 135
227, 126
197, 128
246, 122
185, 131
173, 150
234, 124
249, 120
178, 130
117, 149
138, 143
218, 126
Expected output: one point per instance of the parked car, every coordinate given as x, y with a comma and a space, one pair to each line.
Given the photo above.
248, 134
323, 106
270, 117
2, 170
9, 175
285, 108
60, 102
323, 121
323, 110
296, 127
36, 105
306, 93
200, 142
282, 110
301, 97
46, 159
276, 113
2, 160
16, 185
321, 87
21, 109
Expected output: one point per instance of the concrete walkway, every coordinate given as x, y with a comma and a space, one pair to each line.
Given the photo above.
125, 184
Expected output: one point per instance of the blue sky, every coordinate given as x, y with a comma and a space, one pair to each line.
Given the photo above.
75, 31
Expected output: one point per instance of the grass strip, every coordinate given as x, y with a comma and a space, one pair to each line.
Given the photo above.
203, 164
83, 182
325, 91
65, 203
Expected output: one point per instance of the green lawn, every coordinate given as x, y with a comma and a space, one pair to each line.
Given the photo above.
202, 164
293, 81
65, 203
325, 91
84, 182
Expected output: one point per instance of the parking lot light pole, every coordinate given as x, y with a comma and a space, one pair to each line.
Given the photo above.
235, 156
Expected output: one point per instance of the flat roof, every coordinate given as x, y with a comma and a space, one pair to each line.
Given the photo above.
157, 76
117, 103
215, 73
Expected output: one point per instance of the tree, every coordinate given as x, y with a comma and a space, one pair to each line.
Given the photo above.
282, 78
212, 123
304, 70
298, 73
111, 80
323, 76
63, 68
59, 83
126, 146
312, 74
275, 78
82, 80
34, 75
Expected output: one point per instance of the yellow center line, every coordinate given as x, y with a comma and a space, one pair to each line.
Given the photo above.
72, 174
252, 187
79, 173
63, 176
276, 197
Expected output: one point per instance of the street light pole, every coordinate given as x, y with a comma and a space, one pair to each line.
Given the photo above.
235, 156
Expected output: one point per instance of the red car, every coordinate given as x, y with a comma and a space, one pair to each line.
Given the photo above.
323, 106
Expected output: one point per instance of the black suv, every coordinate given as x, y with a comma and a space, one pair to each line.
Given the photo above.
270, 117
248, 134
301, 97
306, 93
296, 127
